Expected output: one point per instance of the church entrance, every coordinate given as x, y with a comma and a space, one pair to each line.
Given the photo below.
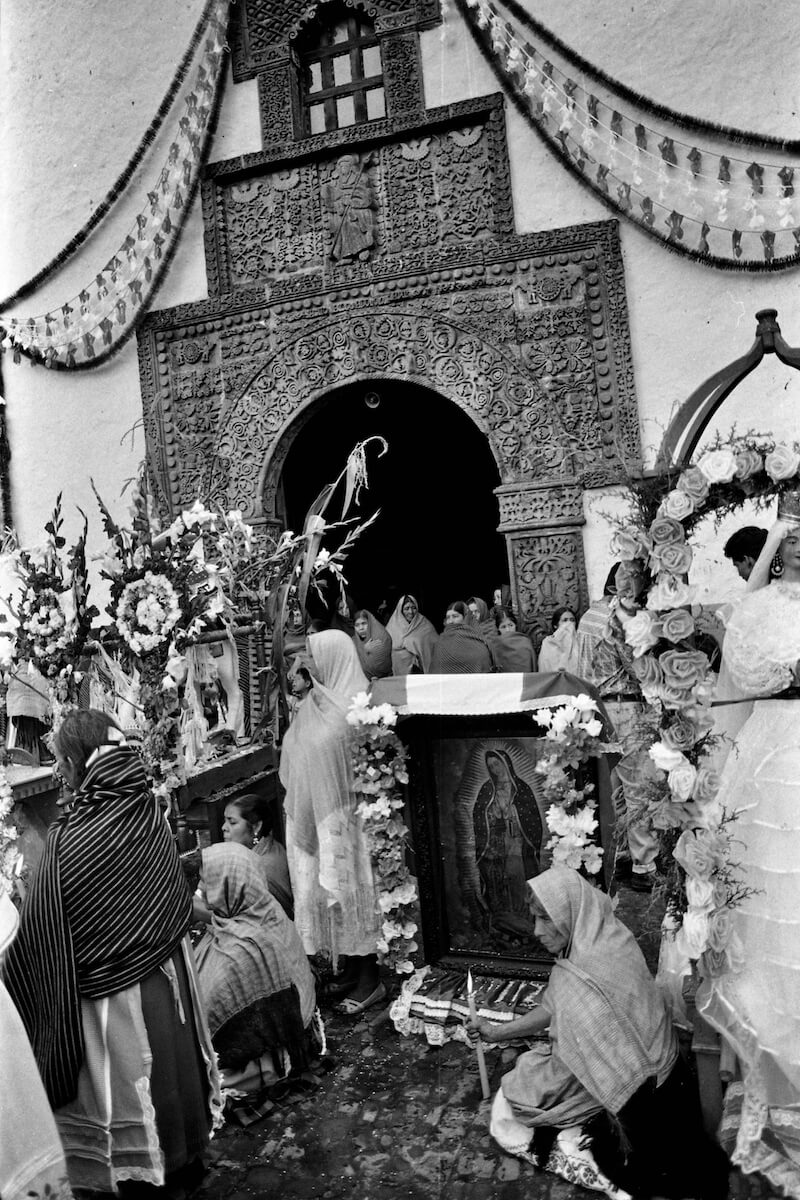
436, 536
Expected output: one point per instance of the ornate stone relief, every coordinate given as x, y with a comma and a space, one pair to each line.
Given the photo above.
393, 256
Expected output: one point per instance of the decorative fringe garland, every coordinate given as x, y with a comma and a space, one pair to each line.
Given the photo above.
738, 213
114, 304
118, 187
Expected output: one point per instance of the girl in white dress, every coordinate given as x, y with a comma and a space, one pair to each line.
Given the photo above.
756, 1004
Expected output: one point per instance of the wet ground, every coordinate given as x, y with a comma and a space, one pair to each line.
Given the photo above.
396, 1119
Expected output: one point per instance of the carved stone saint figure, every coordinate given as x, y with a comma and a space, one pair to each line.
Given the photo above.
351, 209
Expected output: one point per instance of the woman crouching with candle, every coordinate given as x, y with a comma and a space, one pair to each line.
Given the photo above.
609, 1087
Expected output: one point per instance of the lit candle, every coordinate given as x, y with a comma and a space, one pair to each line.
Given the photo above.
478, 1047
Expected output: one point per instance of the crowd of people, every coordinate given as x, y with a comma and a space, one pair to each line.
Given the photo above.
135, 1027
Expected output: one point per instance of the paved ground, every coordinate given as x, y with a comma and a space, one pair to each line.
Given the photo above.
395, 1119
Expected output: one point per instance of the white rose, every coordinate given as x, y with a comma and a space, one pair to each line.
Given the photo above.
718, 466
677, 505
594, 728
782, 463
669, 592
665, 758
681, 780
641, 632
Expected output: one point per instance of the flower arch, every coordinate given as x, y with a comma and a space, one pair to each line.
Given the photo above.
677, 683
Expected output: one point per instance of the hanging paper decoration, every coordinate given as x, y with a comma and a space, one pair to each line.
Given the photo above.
659, 169
92, 325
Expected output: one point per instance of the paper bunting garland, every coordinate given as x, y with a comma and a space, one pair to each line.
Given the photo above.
729, 210
89, 327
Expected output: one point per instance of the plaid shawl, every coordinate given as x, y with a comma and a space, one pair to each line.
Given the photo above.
257, 986
107, 906
610, 1025
461, 650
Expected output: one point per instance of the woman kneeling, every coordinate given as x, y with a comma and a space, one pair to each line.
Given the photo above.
609, 1087
255, 980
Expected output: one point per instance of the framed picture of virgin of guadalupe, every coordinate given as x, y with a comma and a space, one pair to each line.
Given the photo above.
479, 829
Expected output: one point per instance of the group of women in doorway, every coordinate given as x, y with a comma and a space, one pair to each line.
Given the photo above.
474, 640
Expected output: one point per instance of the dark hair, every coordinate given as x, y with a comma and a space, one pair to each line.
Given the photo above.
81, 733
253, 809
460, 607
362, 612
610, 585
747, 542
504, 614
558, 614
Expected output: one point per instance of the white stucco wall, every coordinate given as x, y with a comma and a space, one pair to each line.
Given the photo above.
79, 85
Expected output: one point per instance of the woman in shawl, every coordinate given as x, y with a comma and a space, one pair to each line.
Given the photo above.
248, 822
413, 638
461, 649
373, 645
482, 619
255, 980
31, 1157
559, 650
335, 900
513, 651
121, 1042
608, 1090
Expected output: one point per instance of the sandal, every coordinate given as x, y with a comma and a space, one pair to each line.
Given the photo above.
353, 1008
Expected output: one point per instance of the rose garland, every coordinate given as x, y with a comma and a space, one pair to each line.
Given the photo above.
676, 680
379, 773
10, 857
574, 733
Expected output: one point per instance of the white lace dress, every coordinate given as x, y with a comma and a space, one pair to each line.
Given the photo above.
756, 1006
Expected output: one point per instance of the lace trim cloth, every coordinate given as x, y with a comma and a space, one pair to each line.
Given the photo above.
762, 642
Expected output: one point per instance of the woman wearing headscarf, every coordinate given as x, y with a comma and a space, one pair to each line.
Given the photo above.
461, 649
373, 645
512, 650
31, 1158
255, 980
608, 1087
559, 650
481, 618
413, 638
335, 900
121, 1042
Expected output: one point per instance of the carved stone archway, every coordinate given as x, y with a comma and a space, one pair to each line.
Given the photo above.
540, 500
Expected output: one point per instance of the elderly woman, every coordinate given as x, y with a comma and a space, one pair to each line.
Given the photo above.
608, 1087
335, 900
103, 976
248, 822
559, 650
512, 650
255, 980
461, 649
373, 645
413, 638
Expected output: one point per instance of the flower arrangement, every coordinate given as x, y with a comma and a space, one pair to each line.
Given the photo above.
10, 857
53, 614
379, 771
575, 734
676, 681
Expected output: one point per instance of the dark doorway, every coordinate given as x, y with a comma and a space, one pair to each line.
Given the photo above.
436, 536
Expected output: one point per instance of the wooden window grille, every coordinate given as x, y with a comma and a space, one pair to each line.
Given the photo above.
341, 73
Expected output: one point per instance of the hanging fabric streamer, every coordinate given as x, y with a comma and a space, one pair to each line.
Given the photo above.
719, 195
88, 328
